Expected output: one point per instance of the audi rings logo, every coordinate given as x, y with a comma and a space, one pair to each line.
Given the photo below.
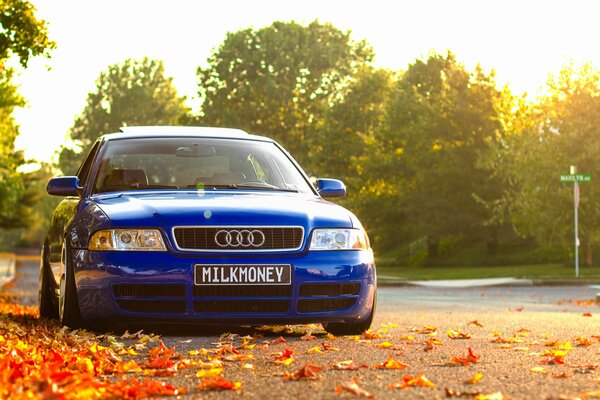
239, 238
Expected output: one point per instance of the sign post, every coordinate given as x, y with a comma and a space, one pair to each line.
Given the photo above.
576, 178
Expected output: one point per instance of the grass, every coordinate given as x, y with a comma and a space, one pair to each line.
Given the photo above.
534, 271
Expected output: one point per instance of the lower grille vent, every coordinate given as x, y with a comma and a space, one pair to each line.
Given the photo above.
321, 305
241, 306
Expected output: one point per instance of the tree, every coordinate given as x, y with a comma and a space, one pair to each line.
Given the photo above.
279, 80
22, 33
23, 36
559, 130
439, 120
11, 182
133, 93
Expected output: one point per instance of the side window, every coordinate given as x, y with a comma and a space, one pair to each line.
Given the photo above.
84, 170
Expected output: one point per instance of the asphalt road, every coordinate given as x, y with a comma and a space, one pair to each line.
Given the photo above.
510, 329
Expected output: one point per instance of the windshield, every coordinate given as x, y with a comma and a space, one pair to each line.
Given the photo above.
200, 163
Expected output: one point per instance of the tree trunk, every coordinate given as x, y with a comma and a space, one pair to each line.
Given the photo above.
432, 248
589, 253
492, 242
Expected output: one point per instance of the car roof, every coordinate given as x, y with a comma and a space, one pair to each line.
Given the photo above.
128, 132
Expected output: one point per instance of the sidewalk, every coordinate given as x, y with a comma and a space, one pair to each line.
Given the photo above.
384, 280
8, 262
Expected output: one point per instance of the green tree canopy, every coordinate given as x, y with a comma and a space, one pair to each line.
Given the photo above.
279, 80
12, 186
439, 120
560, 130
132, 93
22, 33
22, 36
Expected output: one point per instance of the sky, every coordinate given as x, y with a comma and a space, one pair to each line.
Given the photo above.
523, 41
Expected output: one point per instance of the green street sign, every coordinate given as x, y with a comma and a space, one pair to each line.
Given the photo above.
576, 178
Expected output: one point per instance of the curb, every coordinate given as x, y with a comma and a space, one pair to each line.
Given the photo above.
524, 282
8, 262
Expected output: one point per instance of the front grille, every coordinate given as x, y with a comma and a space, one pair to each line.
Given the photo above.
153, 306
198, 238
151, 290
329, 289
241, 306
320, 305
243, 291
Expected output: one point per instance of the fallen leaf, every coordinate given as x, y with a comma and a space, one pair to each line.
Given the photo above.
409, 380
309, 371
219, 384
370, 335
391, 364
352, 387
490, 396
309, 336
474, 379
347, 366
425, 329
476, 323
329, 347
471, 358
457, 334
315, 350
538, 370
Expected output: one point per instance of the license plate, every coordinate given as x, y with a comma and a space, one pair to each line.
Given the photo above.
276, 274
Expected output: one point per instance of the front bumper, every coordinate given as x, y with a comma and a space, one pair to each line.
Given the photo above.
154, 287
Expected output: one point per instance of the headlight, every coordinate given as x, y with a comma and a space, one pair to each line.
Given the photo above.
127, 240
339, 239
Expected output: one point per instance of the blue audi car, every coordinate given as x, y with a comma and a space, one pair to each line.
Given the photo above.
205, 226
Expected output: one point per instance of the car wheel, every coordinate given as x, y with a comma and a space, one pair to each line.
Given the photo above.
352, 328
68, 306
46, 295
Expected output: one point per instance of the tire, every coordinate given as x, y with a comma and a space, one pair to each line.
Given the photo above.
47, 301
352, 328
68, 305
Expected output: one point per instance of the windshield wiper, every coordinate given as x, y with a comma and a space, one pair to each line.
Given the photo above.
263, 186
117, 188
236, 186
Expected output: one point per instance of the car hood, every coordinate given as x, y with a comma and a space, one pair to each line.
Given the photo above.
168, 209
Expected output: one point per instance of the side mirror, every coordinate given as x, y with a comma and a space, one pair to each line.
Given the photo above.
64, 186
331, 188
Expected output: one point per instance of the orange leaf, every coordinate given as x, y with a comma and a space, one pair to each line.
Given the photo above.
309, 336
309, 371
409, 380
329, 347
457, 334
347, 366
476, 323
474, 379
219, 384
425, 329
353, 388
391, 364
370, 335
471, 358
